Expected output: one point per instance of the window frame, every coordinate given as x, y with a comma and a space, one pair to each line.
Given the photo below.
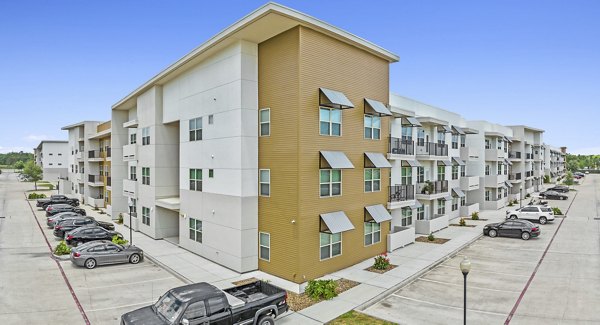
145, 136
330, 244
262, 182
455, 171
329, 122
194, 230
406, 175
146, 216
372, 181
266, 124
195, 130
265, 246
193, 179
371, 234
145, 175
406, 216
441, 206
330, 182
372, 127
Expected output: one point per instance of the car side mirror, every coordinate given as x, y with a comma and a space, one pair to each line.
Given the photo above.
184, 322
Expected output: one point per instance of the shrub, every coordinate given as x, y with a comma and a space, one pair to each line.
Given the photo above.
546, 179
62, 248
515, 201
556, 211
475, 215
119, 241
382, 262
462, 222
527, 196
431, 237
34, 196
568, 179
120, 220
510, 203
321, 289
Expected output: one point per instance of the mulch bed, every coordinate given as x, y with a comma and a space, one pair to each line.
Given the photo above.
244, 281
423, 239
480, 219
457, 225
300, 301
373, 269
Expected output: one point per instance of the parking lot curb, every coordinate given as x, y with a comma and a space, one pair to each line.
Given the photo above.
168, 269
415, 276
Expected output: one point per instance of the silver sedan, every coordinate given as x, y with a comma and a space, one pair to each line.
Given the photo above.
102, 252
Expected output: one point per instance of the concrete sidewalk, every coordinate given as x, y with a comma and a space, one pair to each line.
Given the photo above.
411, 261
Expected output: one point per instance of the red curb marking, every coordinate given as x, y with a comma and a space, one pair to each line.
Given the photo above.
81, 311
514, 309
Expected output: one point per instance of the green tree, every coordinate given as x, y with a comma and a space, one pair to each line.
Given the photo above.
569, 178
19, 165
33, 172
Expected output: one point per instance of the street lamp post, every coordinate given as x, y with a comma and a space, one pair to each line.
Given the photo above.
465, 267
520, 197
130, 225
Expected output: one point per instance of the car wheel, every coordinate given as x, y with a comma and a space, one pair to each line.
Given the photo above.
525, 235
492, 233
513, 217
543, 220
134, 259
266, 320
90, 263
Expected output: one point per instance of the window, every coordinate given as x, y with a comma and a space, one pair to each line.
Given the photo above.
146, 216
265, 246
196, 230
406, 216
133, 173
265, 182
441, 137
265, 122
196, 129
499, 192
406, 134
372, 127
146, 175
441, 175
441, 206
463, 140
211, 173
106, 196
133, 205
406, 175
372, 233
499, 168
101, 173
487, 169
195, 310
217, 305
60, 164
454, 141
330, 245
455, 172
506, 170
50, 154
60, 154
195, 179
420, 137
330, 182
421, 213
488, 144
487, 195
372, 179
133, 138
330, 121
499, 144
463, 201
463, 171
420, 174
211, 119
50, 164
454, 203
145, 136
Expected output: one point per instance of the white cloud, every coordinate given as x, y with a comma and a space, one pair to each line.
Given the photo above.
15, 149
35, 137
585, 151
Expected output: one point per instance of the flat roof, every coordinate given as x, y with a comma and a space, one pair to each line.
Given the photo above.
78, 124
258, 26
526, 128
49, 141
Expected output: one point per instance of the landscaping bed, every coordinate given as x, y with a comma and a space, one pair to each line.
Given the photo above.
300, 301
424, 239
457, 225
373, 269
355, 318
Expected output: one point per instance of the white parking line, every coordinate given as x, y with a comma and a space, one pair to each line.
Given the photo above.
126, 284
121, 306
485, 257
448, 306
470, 287
490, 272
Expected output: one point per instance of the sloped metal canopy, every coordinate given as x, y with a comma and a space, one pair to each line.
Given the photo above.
458, 130
377, 160
458, 161
444, 163
377, 213
412, 121
458, 192
334, 99
335, 160
335, 222
446, 128
411, 163
377, 107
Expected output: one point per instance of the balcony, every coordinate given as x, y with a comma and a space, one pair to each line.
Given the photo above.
78, 156
129, 152
514, 155
95, 155
432, 150
515, 178
494, 154
469, 183
494, 180
468, 153
131, 124
537, 173
432, 190
467, 210
95, 201
95, 180
401, 196
529, 174
494, 205
108, 181
400, 147
400, 237
529, 156
129, 188
426, 227
108, 153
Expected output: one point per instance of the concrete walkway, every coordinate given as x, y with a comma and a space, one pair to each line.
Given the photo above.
412, 261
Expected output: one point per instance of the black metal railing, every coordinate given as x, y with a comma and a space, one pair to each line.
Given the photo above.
432, 149
516, 176
94, 154
108, 181
529, 156
108, 152
514, 154
94, 178
402, 146
434, 187
399, 193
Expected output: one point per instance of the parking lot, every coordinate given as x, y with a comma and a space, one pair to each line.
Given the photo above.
33, 287
564, 286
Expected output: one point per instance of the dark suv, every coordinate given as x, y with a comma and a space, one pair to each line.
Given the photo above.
559, 188
89, 233
512, 228
67, 225
58, 208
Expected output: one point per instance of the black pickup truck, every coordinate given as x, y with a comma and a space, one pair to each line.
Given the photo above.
56, 199
202, 303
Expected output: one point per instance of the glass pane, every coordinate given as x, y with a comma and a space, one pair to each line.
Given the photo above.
265, 176
336, 129
192, 174
192, 125
264, 253
199, 237
336, 237
264, 115
198, 225
336, 116
192, 234
377, 237
336, 189
368, 174
264, 129
368, 133
324, 115
325, 252
336, 175
192, 185
265, 240
192, 136
324, 189
264, 189
376, 227
368, 121
368, 186
376, 173
324, 130
324, 176
324, 238
368, 227
336, 249
376, 122
376, 185
368, 239
376, 133
199, 134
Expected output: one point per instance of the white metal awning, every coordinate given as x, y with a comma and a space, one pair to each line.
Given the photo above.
334, 99
508, 184
376, 107
411, 163
335, 160
376, 160
506, 161
377, 213
458, 161
458, 192
444, 163
412, 121
417, 205
458, 130
446, 128
335, 222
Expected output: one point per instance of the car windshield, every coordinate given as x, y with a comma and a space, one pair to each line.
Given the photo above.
168, 307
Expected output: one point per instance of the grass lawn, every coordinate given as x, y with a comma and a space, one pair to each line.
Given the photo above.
355, 318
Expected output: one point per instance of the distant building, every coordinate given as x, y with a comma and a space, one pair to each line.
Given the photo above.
52, 156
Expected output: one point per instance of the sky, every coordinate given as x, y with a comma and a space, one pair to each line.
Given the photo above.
509, 62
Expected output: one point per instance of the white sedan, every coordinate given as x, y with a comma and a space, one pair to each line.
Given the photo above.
541, 214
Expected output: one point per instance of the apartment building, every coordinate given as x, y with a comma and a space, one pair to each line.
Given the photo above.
530, 166
554, 162
51, 156
75, 184
98, 178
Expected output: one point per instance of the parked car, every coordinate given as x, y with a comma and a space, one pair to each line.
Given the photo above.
58, 208
85, 234
51, 221
538, 213
559, 188
202, 303
101, 252
56, 199
553, 195
65, 226
579, 174
512, 228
